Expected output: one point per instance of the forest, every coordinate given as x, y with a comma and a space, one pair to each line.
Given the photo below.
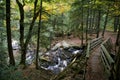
59, 40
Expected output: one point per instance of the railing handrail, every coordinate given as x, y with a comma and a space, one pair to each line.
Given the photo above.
91, 44
107, 54
106, 57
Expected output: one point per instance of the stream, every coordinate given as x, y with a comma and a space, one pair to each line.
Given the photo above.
56, 59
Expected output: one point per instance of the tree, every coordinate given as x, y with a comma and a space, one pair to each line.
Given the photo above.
24, 44
82, 34
98, 23
116, 23
118, 65
21, 21
77, 20
38, 39
118, 37
87, 21
9, 41
116, 14
91, 16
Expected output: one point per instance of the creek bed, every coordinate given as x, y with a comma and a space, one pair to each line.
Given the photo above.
57, 60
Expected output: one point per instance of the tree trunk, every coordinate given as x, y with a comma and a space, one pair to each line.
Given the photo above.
118, 37
116, 22
90, 20
93, 21
23, 56
21, 28
87, 24
82, 26
38, 39
98, 23
35, 6
118, 65
9, 41
93, 18
22, 43
105, 23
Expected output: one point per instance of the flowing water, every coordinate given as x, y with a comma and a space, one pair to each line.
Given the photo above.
58, 59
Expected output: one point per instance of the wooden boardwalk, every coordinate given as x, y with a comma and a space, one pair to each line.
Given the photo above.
95, 69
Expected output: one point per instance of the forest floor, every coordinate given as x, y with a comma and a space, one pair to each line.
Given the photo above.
95, 69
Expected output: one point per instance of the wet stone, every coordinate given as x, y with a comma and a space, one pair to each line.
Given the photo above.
57, 60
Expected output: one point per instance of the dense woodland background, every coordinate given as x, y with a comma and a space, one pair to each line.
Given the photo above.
36, 24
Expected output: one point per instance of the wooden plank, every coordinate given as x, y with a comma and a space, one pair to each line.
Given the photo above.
107, 54
105, 41
107, 65
107, 68
93, 45
94, 40
88, 50
103, 61
107, 47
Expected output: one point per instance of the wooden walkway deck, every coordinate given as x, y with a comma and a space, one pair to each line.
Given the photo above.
95, 69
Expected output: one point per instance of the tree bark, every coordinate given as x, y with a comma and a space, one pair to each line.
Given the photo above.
35, 5
21, 27
87, 25
93, 21
98, 23
38, 39
25, 44
118, 37
90, 20
116, 23
118, 65
82, 25
9, 41
93, 18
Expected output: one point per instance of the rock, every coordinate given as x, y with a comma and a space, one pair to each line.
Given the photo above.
15, 45
65, 44
62, 44
58, 57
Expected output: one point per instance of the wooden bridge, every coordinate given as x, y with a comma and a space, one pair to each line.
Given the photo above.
100, 58
96, 63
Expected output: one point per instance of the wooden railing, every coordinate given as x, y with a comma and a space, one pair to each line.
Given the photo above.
91, 45
107, 57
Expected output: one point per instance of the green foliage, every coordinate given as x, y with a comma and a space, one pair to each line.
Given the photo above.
76, 17
2, 55
6, 72
45, 37
9, 73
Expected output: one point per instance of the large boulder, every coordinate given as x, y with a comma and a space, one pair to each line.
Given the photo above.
62, 44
